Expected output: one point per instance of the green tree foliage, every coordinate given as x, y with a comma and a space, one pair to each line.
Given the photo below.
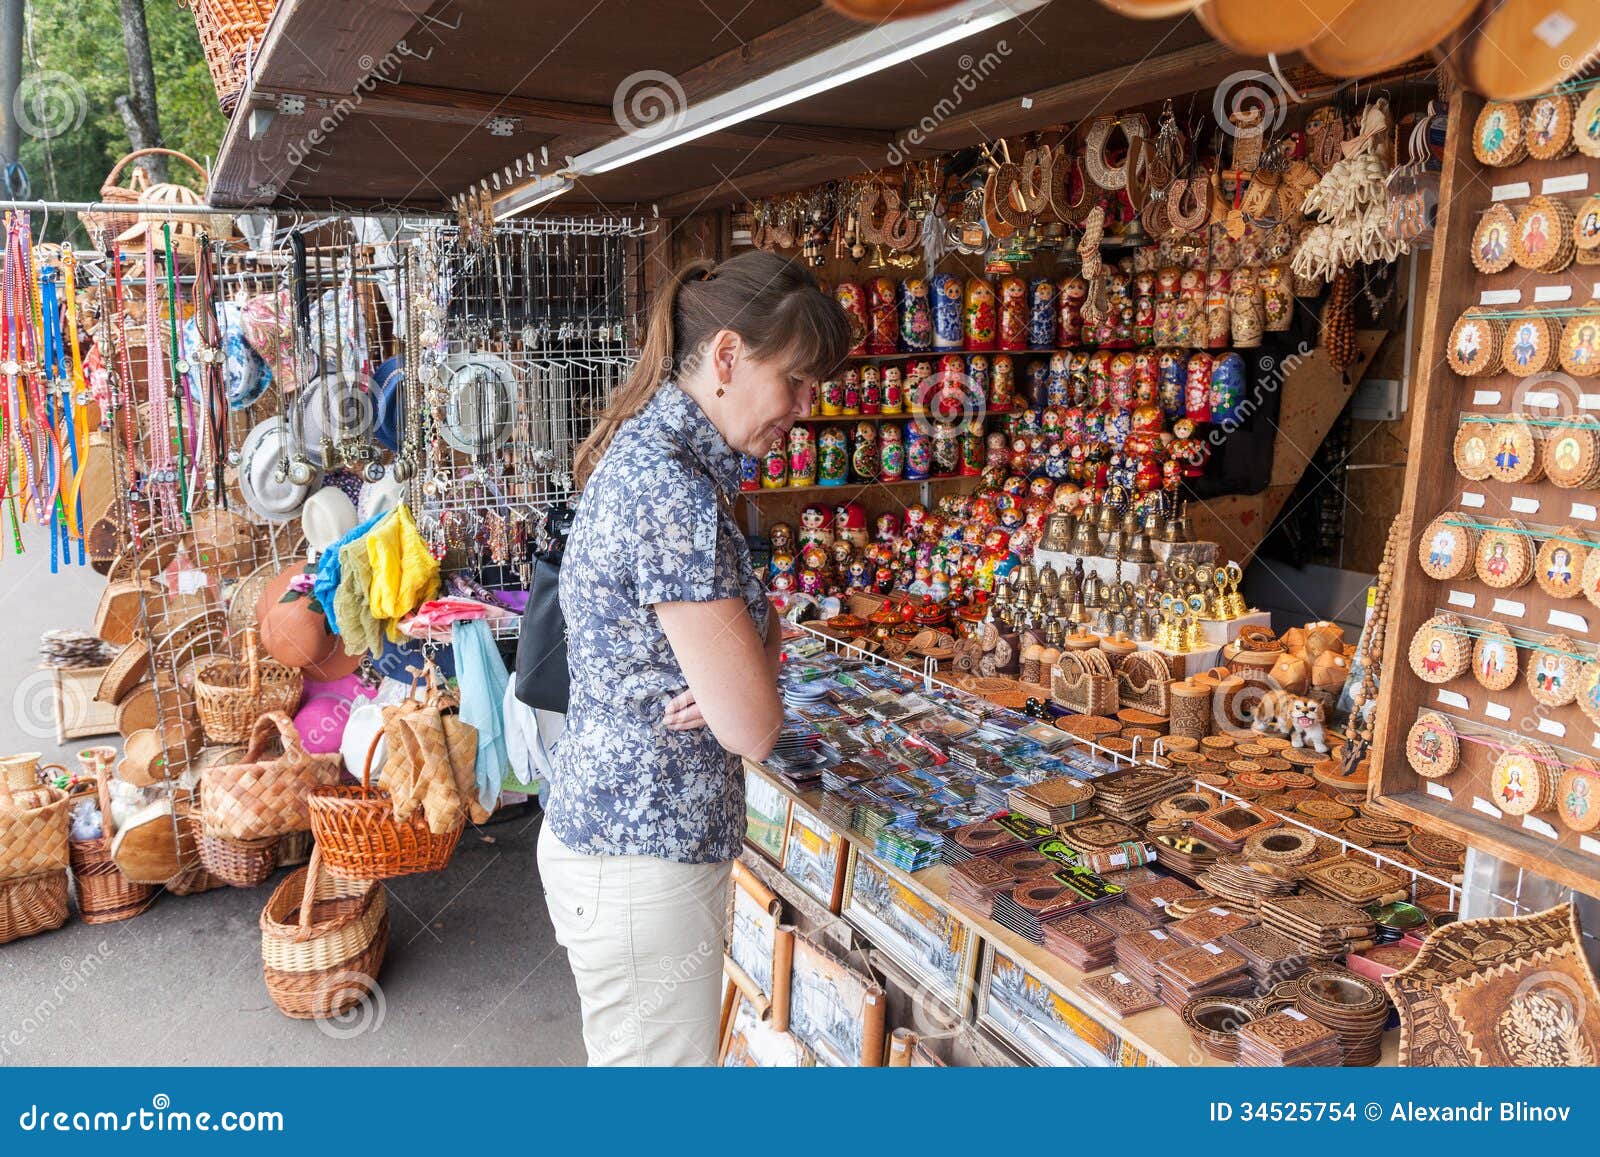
74, 60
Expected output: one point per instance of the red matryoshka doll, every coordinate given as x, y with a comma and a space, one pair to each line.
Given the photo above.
1041, 490
782, 580
1070, 295
1074, 425
894, 390
1172, 374
884, 335
998, 451
1058, 381
749, 473
947, 307
883, 580
864, 455
1146, 374
775, 465
1013, 313
1122, 387
1042, 319
886, 528
850, 524
871, 389
916, 518
1188, 449
1147, 475
1171, 472
833, 457
919, 455
1002, 383
972, 449
1100, 377
831, 397
816, 526
944, 400
1197, 388
802, 457
917, 375
978, 376
852, 392
853, 300
1018, 463
916, 316
1144, 307
979, 315
1147, 414
1219, 309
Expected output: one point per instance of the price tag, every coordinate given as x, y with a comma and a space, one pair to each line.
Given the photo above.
1551, 727
1294, 1014
1461, 599
1589, 844
1120, 979
1569, 621
1453, 699
191, 582
1584, 510
1479, 804
1497, 711
1486, 397
1552, 293
1500, 296
1439, 791
1520, 505
1571, 183
1507, 607
1159, 935
1555, 28
1212, 948
1219, 911
1539, 827
1507, 192
1471, 498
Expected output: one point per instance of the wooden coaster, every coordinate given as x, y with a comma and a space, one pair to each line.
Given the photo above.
1439, 651
1549, 127
1578, 796
1497, 139
1522, 782
1580, 344
1586, 124
1572, 453
1588, 698
1493, 240
1542, 241
1473, 452
1517, 452
1432, 748
1476, 342
1494, 658
1121, 994
1553, 672
1558, 569
1531, 346
1505, 555
1586, 226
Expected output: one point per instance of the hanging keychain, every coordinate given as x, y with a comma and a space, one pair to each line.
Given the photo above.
80, 397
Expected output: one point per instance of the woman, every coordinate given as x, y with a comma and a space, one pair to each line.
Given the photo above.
673, 653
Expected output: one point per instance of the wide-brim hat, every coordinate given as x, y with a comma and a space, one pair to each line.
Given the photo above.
480, 402
397, 659
333, 408
327, 516
296, 634
274, 498
380, 497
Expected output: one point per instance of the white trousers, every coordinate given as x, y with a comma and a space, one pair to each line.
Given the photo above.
644, 939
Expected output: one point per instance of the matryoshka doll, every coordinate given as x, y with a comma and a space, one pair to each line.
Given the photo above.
802, 457
1144, 307
852, 392
978, 375
775, 465
1042, 320
917, 373
816, 526
813, 564
1189, 312
916, 518
980, 315
844, 553
1146, 374
864, 456
1227, 387
1058, 382
1197, 388
1057, 463
871, 389
1122, 386
998, 452
1187, 449
1078, 377
916, 316
894, 390
945, 394
850, 524
946, 450
831, 397
1070, 295
947, 306
858, 575
1172, 374
833, 457
1219, 309
1277, 296
853, 300
1100, 378
1246, 307
1013, 313
749, 473
919, 456
972, 448
1038, 387
886, 528
1002, 383
782, 579
884, 335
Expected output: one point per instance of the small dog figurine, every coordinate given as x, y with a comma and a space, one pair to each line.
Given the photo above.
1299, 718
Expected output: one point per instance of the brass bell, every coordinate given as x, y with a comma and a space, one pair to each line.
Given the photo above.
1091, 592
1085, 538
1139, 552
1049, 581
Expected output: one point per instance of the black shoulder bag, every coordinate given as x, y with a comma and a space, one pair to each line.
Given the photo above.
542, 678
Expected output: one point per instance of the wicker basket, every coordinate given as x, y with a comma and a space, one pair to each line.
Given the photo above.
33, 831
323, 940
239, 863
294, 849
104, 893
32, 904
359, 838
231, 696
230, 31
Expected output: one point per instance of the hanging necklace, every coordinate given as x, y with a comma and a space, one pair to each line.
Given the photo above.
124, 402
162, 479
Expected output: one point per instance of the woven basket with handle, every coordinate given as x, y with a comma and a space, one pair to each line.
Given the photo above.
360, 839
104, 893
33, 831
231, 696
264, 795
114, 192
32, 904
323, 940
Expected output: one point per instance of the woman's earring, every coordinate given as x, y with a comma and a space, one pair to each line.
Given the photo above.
721, 391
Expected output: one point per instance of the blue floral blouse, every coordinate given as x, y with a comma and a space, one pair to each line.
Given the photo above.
655, 524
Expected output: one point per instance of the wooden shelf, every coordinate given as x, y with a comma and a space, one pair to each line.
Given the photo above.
963, 353
1159, 1033
855, 487
902, 417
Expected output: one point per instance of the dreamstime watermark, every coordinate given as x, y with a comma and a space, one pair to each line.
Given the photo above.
1245, 94
76, 972
675, 971
33, 703
649, 103
384, 69
364, 1007
973, 73
50, 104
1274, 371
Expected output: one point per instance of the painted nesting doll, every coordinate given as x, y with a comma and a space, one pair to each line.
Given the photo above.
1042, 319
981, 328
916, 316
947, 306
802, 457
884, 335
1014, 312
853, 300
